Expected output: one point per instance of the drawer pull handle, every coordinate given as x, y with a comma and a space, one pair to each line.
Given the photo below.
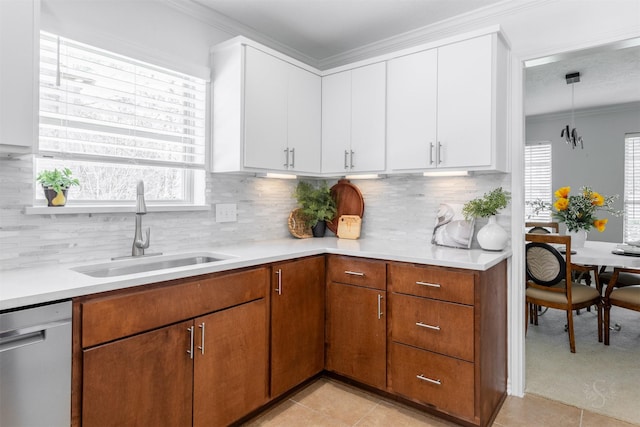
424, 325
427, 379
279, 288
432, 285
380, 313
354, 273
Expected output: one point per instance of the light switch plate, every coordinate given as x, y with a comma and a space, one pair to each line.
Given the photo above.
226, 212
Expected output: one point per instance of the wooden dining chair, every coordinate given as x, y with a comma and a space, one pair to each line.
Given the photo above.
621, 296
549, 281
542, 227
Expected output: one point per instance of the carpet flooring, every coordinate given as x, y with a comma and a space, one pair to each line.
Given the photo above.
599, 378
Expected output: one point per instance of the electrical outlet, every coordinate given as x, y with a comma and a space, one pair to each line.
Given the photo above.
226, 212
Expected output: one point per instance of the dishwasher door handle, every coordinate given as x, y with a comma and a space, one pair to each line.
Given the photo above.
17, 338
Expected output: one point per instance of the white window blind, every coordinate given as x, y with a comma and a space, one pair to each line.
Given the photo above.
118, 120
631, 187
537, 179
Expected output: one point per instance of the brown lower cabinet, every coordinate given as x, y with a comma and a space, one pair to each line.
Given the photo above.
297, 322
356, 332
210, 350
145, 359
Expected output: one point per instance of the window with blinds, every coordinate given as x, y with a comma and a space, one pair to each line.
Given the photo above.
114, 120
631, 223
537, 179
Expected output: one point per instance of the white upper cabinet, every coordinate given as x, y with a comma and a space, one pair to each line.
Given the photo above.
266, 112
19, 56
462, 125
412, 105
353, 120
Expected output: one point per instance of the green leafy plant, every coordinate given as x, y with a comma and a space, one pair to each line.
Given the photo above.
57, 180
487, 205
317, 204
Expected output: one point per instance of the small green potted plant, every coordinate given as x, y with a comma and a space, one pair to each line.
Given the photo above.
492, 236
55, 184
317, 204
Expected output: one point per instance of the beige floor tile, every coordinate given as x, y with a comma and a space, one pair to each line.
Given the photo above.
337, 400
536, 411
292, 414
591, 419
390, 414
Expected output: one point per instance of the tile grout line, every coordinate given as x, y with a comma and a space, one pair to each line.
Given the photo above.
369, 412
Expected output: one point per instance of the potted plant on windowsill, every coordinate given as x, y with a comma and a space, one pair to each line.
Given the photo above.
317, 206
492, 236
55, 184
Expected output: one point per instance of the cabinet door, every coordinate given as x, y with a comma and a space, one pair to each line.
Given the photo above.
368, 114
465, 102
144, 380
265, 111
336, 122
297, 322
19, 55
231, 371
304, 113
412, 100
356, 333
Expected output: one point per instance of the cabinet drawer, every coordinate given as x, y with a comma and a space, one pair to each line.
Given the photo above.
122, 314
357, 271
442, 327
432, 379
432, 282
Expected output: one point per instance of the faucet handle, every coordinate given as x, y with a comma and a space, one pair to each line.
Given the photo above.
144, 244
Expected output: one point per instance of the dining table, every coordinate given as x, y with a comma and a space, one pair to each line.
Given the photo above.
601, 254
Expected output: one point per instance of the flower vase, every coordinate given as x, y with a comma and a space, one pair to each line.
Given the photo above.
577, 238
492, 237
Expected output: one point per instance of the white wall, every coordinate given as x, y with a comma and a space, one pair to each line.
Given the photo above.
601, 164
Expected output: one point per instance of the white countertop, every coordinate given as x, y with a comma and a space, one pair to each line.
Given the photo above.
24, 287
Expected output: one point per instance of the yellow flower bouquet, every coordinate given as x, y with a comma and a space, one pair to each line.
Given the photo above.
579, 211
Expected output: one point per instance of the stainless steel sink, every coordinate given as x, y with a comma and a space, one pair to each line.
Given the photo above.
147, 264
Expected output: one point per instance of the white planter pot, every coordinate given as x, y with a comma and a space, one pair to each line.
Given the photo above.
577, 238
492, 237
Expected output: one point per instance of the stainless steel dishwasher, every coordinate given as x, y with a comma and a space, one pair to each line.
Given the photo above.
35, 366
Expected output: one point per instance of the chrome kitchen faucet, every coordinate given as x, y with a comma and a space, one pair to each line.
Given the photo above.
140, 244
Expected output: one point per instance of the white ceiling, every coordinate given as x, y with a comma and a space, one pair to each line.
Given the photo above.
324, 29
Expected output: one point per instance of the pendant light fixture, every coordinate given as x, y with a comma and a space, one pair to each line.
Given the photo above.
569, 132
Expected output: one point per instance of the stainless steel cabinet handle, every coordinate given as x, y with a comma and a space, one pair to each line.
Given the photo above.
201, 346
431, 153
293, 157
190, 351
423, 378
439, 152
424, 325
286, 162
380, 313
354, 273
279, 288
346, 155
351, 159
432, 285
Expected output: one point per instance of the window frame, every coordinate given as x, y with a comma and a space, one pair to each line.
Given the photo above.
188, 184
543, 150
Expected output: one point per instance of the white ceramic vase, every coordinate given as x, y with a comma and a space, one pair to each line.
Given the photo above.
492, 237
577, 238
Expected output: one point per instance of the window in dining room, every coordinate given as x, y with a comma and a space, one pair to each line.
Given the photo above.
537, 179
631, 225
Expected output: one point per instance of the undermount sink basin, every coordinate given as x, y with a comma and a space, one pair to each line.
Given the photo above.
151, 263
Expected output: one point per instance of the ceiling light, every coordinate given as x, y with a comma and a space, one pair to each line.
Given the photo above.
570, 133
446, 173
279, 175
364, 176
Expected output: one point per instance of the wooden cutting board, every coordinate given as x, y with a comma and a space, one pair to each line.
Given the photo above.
349, 227
349, 201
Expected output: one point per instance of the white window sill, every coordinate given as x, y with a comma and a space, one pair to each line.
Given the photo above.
88, 209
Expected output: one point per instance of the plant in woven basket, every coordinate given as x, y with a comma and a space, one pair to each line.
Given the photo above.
316, 203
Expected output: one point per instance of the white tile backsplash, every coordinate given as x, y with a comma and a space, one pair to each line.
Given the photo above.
396, 208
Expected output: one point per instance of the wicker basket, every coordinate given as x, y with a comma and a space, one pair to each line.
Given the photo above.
297, 225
